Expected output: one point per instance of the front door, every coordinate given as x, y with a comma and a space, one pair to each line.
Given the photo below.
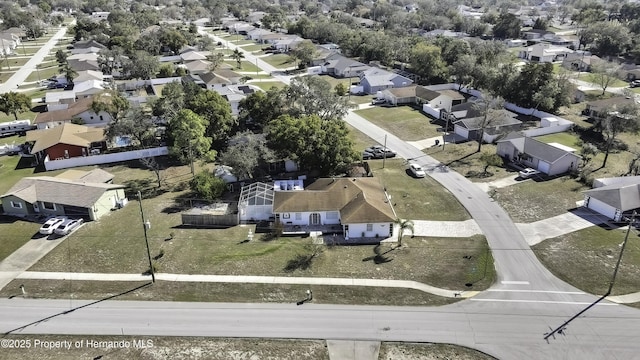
314, 219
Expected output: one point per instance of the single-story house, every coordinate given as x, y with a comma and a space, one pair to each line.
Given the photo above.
234, 94
546, 158
66, 141
87, 75
87, 88
74, 195
59, 100
257, 34
375, 79
360, 205
613, 197
579, 61
198, 66
339, 65
80, 109
442, 99
499, 123
220, 78
192, 55
544, 52
598, 107
287, 44
84, 44
414, 94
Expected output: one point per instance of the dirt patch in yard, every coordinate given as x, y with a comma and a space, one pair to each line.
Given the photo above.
171, 348
415, 351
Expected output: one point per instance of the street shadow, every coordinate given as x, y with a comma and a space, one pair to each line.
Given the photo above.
379, 257
45, 319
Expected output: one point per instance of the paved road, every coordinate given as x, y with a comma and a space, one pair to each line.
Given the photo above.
21, 75
610, 332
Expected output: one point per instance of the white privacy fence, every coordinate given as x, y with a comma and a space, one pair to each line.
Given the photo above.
104, 158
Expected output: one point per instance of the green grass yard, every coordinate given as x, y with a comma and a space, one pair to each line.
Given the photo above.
405, 122
564, 138
586, 258
253, 47
281, 61
244, 66
266, 85
422, 199
6, 74
465, 159
14, 233
43, 74
614, 83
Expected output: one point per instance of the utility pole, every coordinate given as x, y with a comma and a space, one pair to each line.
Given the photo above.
384, 154
145, 224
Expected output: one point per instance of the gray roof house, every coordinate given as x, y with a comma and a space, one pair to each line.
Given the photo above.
76, 193
339, 65
374, 80
613, 197
499, 123
546, 158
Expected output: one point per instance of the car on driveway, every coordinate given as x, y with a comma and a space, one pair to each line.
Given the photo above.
528, 172
367, 155
380, 154
634, 83
417, 170
68, 226
50, 225
374, 148
378, 101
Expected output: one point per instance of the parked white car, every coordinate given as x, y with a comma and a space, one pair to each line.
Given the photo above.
68, 226
50, 225
417, 170
528, 172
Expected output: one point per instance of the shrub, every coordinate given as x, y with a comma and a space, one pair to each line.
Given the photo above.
207, 185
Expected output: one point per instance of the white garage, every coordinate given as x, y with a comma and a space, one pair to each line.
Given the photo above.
600, 207
613, 200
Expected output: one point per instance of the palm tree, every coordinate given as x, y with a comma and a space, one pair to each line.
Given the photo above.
238, 56
403, 225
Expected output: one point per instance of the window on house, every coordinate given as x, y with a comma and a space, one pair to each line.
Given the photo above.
91, 117
369, 227
285, 215
66, 154
48, 206
101, 118
16, 205
298, 216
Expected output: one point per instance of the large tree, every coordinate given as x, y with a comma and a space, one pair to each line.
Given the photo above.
611, 38
614, 121
312, 95
603, 73
112, 103
142, 66
507, 26
489, 107
304, 52
217, 112
316, 144
13, 103
259, 108
190, 141
246, 155
137, 123
426, 61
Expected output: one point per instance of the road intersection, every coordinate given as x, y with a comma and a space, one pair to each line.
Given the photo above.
507, 321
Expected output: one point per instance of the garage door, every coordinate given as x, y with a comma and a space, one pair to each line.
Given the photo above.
76, 212
544, 167
459, 130
601, 208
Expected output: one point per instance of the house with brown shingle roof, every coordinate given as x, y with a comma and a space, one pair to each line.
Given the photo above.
359, 205
76, 195
66, 141
80, 110
598, 107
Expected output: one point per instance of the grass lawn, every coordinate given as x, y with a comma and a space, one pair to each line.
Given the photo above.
422, 199
40, 93
531, 200
586, 258
224, 292
5, 75
573, 113
464, 159
43, 74
361, 99
360, 140
168, 348
30, 115
26, 51
405, 122
15, 62
564, 138
252, 48
242, 42
244, 66
335, 81
14, 233
281, 61
636, 90
266, 85
614, 83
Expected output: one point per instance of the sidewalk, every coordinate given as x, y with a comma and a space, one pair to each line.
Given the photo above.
568, 222
406, 284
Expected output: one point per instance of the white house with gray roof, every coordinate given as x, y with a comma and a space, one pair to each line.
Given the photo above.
375, 79
339, 65
77, 194
546, 158
613, 197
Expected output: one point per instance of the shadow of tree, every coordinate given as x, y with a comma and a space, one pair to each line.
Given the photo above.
303, 261
379, 257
